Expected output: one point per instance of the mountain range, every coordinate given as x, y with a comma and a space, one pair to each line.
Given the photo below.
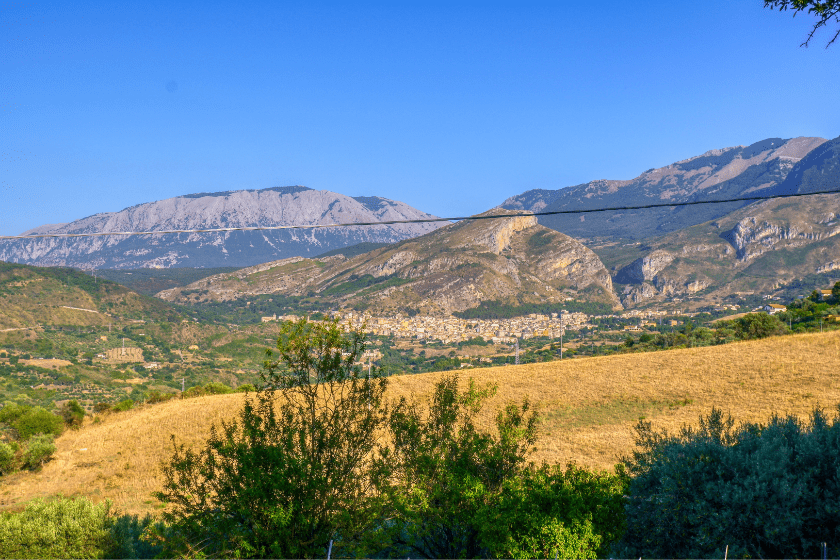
703, 253
279, 206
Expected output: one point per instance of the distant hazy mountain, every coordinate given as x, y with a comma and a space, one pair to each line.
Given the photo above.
760, 168
246, 208
509, 261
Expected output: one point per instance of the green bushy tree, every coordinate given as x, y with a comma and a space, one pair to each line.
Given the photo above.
73, 528
549, 512
70, 528
7, 458
455, 490
766, 491
39, 449
38, 420
295, 471
758, 325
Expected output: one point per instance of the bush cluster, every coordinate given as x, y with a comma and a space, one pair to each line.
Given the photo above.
73, 528
33, 430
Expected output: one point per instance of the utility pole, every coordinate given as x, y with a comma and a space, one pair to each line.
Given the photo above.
561, 334
517, 352
182, 384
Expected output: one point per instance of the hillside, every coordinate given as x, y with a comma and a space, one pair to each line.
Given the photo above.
31, 296
589, 407
509, 261
230, 209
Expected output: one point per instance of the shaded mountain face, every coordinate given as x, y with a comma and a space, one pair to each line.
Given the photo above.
457, 267
247, 208
759, 169
758, 248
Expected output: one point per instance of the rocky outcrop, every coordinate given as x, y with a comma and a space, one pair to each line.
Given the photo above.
752, 237
644, 269
496, 237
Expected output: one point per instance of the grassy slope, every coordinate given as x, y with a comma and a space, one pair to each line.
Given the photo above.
589, 407
32, 295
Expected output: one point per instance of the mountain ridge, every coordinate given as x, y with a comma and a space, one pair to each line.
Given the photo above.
276, 206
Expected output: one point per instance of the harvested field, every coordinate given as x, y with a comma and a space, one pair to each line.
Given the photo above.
588, 405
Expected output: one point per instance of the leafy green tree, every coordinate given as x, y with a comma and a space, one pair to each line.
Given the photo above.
824, 10
38, 420
547, 512
767, 491
73, 528
444, 469
296, 471
39, 449
758, 325
835, 292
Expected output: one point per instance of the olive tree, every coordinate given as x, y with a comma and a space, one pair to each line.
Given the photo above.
294, 473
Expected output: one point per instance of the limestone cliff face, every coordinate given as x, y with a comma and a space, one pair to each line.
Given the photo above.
757, 249
496, 237
645, 269
753, 236
511, 260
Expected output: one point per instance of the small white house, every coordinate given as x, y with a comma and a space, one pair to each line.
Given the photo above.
773, 308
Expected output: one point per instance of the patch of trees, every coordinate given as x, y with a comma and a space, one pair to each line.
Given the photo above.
764, 490
318, 463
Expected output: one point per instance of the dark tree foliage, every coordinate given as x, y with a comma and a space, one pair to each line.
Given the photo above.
443, 467
825, 11
758, 325
766, 491
295, 471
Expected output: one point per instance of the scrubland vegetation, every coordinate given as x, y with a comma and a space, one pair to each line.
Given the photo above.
460, 468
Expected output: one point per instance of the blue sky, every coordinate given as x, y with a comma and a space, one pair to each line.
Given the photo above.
448, 106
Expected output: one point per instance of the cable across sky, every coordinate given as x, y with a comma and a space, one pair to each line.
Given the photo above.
417, 221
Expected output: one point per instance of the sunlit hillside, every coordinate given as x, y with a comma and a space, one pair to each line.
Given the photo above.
589, 407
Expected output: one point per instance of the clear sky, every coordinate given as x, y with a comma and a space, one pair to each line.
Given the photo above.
448, 106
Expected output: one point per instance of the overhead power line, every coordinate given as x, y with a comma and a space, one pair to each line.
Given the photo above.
418, 221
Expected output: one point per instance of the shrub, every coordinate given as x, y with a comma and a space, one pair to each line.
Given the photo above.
39, 449
38, 421
101, 407
758, 325
212, 388
13, 411
63, 528
158, 396
246, 388
123, 405
73, 414
766, 490
7, 458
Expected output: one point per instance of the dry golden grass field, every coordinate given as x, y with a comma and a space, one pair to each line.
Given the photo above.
589, 407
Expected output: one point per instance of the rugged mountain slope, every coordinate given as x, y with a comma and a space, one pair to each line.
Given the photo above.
31, 296
731, 172
248, 208
512, 260
756, 248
